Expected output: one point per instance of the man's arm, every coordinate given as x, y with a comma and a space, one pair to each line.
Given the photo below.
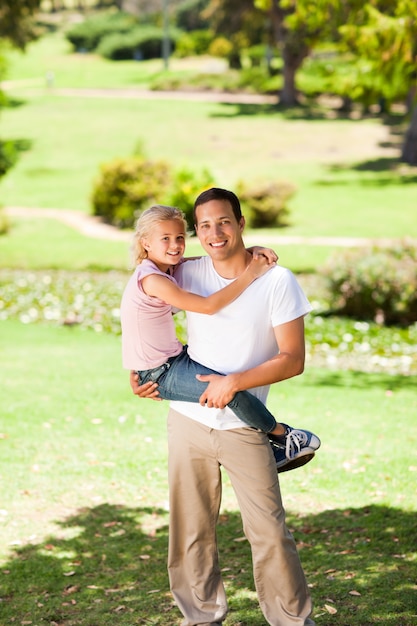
288, 363
221, 389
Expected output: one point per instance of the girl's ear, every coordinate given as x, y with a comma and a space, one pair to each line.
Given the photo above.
145, 244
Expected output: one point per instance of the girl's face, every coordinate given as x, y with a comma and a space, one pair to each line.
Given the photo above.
166, 244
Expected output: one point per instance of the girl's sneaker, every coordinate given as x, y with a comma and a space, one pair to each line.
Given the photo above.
293, 449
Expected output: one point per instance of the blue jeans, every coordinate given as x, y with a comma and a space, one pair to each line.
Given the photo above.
177, 381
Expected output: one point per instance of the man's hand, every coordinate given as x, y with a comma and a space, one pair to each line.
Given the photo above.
148, 390
219, 391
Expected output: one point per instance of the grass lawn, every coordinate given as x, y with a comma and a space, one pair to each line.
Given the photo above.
84, 513
347, 177
83, 463
71, 137
53, 54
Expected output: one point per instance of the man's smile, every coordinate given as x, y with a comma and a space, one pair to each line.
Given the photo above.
217, 244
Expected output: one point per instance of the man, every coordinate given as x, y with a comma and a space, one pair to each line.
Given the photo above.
257, 340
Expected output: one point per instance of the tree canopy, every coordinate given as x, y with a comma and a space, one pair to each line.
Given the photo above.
387, 41
379, 35
16, 23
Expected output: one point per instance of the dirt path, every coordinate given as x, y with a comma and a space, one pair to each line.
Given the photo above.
140, 93
147, 94
87, 225
91, 226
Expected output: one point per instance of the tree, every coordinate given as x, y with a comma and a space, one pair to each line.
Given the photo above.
388, 42
16, 27
239, 21
16, 20
380, 35
298, 25
409, 151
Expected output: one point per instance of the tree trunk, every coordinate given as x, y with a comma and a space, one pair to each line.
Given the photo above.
294, 51
411, 98
409, 152
288, 93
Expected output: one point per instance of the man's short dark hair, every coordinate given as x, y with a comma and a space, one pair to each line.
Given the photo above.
216, 193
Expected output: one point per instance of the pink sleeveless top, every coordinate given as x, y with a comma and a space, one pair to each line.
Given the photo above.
148, 330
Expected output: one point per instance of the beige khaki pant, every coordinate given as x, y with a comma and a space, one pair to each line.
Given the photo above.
196, 453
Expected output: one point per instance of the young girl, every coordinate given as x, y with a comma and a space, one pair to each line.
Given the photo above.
149, 343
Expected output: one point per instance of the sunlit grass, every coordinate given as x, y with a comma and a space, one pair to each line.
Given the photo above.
83, 517
84, 521
51, 61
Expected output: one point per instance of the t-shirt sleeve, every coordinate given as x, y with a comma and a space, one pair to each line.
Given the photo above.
289, 300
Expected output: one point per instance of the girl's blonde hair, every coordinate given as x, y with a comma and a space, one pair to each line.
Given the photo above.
147, 221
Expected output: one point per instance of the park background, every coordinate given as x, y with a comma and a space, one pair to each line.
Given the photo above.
83, 516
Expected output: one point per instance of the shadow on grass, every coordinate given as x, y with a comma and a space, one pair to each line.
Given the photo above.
11, 102
300, 112
389, 171
107, 564
309, 110
358, 380
104, 564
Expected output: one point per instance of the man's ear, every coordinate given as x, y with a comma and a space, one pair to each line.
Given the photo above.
242, 223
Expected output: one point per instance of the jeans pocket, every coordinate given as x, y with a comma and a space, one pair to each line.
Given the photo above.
152, 375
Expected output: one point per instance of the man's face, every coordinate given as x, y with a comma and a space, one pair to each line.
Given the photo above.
217, 229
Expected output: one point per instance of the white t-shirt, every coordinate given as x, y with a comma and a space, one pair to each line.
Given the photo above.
241, 335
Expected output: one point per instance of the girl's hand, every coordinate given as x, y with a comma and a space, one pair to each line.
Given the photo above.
259, 265
148, 390
267, 252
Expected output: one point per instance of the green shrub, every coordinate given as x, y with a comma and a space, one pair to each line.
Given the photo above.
126, 186
142, 43
88, 34
8, 156
264, 204
9, 152
4, 222
222, 81
195, 43
263, 56
220, 47
344, 75
256, 55
186, 187
375, 284
259, 80
229, 49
